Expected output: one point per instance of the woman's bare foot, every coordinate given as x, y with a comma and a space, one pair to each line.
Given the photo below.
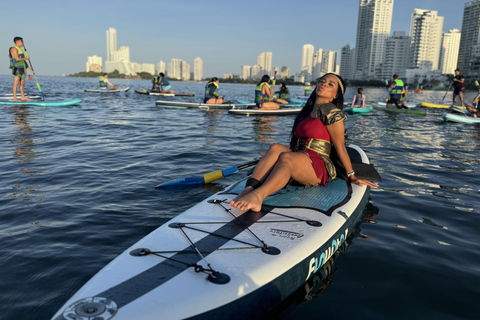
242, 193
250, 201
26, 99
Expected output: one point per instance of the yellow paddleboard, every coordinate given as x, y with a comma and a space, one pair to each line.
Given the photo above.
438, 106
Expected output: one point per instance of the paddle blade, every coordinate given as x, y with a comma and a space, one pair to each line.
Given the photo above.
182, 182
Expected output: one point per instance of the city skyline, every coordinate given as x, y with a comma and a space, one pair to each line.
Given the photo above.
237, 42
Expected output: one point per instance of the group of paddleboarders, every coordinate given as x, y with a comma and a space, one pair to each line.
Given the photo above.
19, 65
317, 129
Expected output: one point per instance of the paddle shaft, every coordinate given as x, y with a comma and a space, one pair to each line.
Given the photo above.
31, 66
447, 91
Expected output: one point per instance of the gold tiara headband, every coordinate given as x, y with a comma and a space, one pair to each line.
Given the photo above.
339, 83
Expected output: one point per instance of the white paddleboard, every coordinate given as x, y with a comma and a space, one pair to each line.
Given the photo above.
213, 262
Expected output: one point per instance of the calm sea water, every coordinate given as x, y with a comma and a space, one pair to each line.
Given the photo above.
76, 190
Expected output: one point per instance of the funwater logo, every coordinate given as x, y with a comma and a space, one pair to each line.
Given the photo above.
285, 234
317, 262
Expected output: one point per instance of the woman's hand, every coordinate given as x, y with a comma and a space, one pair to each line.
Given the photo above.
361, 182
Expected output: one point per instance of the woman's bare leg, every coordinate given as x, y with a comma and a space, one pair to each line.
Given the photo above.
269, 106
290, 165
264, 167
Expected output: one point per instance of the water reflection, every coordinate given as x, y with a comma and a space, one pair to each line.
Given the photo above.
24, 150
322, 279
264, 128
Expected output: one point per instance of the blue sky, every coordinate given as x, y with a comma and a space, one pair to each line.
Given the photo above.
59, 35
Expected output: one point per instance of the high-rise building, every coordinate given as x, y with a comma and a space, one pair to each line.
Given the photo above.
373, 27
426, 36
111, 43
149, 68
257, 72
329, 61
449, 51
307, 58
397, 53
122, 54
347, 63
94, 64
245, 72
160, 67
174, 69
468, 62
264, 60
284, 73
185, 67
317, 60
197, 69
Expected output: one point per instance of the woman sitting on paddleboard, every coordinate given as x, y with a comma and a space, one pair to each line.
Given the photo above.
211, 92
307, 161
284, 94
263, 95
359, 99
473, 107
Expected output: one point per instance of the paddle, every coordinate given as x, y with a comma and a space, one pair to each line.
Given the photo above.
31, 66
447, 92
207, 178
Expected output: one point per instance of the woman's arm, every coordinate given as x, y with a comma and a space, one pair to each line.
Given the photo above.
266, 90
354, 99
363, 101
337, 135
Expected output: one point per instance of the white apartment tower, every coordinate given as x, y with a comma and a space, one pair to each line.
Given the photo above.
185, 70
111, 43
257, 72
197, 69
397, 53
467, 61
317, 59
449, 51
174, 69
329, 61
94, 63
426, 33
160, 67
307, 58
245, 72
373, 28
264, 60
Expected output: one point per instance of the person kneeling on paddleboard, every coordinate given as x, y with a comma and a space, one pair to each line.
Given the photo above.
211, 92
307, 161
105, 84
397, 93
165, 84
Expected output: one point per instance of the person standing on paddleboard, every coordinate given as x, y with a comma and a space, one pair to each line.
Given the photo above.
307, 161
18, 64
458, 86
166, 87
105, 84
211, 92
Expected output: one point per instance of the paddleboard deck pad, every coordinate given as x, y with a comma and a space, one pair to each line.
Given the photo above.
259, 112
460, 118
216, 262
44, 103
107, 90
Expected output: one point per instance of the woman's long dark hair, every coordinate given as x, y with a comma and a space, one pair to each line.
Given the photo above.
284, 88
265, 78
308, 108
213, 79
